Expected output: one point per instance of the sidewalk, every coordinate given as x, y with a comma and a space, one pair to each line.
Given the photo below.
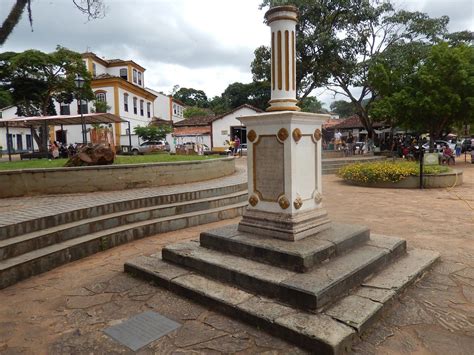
20, 209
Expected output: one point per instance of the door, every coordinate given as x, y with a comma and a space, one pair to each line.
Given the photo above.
19, 142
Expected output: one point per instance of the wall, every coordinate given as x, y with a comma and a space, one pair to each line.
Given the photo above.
114, 177
224, 124
161, 105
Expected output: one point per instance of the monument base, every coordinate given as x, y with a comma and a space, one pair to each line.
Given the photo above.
321, 292
285, 226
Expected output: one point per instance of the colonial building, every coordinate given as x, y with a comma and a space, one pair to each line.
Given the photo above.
121, 85
167, 107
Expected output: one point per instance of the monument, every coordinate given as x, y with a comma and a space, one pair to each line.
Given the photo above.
286, 267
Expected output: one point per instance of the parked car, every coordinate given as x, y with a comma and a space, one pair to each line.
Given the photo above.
441, 143
466, 145
150, 147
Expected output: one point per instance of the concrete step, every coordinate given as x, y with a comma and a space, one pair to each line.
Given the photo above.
300, 256
310, 290
331, 331
38, 261
18, 245
76, 214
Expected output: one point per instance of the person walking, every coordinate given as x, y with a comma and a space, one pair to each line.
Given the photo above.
458, 148
236, 145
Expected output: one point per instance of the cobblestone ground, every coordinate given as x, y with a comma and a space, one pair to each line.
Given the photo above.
66, 309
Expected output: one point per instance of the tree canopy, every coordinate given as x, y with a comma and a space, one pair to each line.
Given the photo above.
192, 97
431, 95
152, 132
339, 40
342, 108
195, 111
34, 78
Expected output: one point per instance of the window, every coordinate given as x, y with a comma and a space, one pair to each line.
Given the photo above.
82, 107
135, 73
94, 69
139, 78
125, 102
29, 142
148, 109
101, 96
124, 74
141, 108
175, 109
135, 105
64, 109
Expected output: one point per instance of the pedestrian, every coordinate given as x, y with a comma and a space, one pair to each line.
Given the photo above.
236, 145
458, 149
350, 142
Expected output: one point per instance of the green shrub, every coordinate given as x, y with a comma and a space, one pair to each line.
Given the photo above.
385, 171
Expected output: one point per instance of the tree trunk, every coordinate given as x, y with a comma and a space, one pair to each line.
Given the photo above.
41, 139
12, 20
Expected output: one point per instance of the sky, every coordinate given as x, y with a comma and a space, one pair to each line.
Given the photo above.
203, 44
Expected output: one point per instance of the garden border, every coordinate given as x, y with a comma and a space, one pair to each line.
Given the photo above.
25, 182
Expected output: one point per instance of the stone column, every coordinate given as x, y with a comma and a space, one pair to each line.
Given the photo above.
284, 150
282, 21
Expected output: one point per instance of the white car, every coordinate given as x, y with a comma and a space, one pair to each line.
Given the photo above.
441, 143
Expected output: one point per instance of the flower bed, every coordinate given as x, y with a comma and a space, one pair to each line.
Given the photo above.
386, 171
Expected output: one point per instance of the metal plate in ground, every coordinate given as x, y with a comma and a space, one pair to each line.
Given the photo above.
141, 329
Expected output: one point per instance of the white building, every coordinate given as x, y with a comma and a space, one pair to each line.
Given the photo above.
215, 131
20, 139
167, 107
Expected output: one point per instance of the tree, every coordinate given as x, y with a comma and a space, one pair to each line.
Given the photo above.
5, 98
34, 79
256, 93
219, 105
192, 97
312, 104
92, 8
195, 111
342, 108
337, 41
100, 107
152, 133
431, 96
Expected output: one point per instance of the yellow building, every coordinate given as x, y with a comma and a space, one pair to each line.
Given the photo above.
121, 84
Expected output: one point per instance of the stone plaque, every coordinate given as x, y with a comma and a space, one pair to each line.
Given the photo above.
268, 168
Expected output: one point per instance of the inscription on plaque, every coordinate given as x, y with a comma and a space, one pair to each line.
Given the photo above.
268, 169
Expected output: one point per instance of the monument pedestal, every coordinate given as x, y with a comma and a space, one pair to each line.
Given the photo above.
284, 175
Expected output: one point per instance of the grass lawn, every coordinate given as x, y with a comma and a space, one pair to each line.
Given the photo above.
120, 159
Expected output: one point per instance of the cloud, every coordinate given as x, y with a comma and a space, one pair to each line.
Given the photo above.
205, 44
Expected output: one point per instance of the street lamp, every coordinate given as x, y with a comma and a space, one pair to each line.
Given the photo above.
79, 81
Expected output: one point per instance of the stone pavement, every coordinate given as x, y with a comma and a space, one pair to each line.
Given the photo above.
65, 310
20, 209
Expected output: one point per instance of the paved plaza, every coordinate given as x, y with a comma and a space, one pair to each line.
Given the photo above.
66, 309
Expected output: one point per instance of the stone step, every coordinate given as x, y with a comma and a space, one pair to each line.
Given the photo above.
310, 290
295, 256
329, 332
130, 203
360, 309
18, 245
35, 262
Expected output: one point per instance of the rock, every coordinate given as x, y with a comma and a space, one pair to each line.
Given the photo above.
97, 154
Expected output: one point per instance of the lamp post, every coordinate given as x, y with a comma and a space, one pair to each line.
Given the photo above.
79, 81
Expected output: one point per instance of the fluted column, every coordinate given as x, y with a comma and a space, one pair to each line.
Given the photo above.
282, 21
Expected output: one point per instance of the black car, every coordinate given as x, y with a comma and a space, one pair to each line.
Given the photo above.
466, 145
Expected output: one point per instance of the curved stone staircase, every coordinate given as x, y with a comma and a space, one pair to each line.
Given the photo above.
34, 246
